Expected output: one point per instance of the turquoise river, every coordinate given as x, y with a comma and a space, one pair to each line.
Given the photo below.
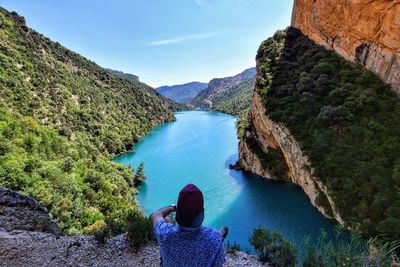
198, 148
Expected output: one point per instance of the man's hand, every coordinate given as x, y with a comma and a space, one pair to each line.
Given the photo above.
162, 214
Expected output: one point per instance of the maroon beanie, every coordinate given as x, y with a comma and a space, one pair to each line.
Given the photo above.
190, 207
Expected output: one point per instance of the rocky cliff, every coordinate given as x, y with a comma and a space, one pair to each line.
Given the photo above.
18, 212
329, 126
271, 136
360, 30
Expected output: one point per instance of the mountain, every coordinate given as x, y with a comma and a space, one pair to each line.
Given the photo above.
62, 119
183, 93
123, 75
231, 94
330, 126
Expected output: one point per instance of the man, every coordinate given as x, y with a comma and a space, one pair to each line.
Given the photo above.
188, 243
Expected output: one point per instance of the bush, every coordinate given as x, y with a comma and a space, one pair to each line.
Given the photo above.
348, 249
140, 230
232, 248
271, 247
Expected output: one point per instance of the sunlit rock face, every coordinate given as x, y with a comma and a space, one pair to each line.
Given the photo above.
359, 30
271, 135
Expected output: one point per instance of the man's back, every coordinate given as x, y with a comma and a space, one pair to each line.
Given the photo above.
180, 246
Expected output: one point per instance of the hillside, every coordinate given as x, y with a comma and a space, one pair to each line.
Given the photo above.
231, 95
330, 126
183, 93
123, 75
62, 118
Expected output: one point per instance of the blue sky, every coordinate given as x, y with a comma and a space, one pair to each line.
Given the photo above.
164, 42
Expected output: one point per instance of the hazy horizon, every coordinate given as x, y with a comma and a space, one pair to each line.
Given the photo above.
164, 43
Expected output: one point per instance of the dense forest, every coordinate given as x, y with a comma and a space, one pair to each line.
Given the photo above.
346, 121
62, 119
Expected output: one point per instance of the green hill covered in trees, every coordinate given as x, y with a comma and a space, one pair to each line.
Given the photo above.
62, 118
347, 122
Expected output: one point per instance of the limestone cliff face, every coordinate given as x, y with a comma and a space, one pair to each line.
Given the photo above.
359, 30
271, 135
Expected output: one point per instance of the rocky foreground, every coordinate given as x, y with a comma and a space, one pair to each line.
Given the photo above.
23, 248
29, 237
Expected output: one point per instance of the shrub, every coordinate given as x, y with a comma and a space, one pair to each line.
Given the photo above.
271, 247
232, 248
140, 230
348, 249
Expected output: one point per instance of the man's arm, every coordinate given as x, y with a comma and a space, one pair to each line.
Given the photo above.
162, 214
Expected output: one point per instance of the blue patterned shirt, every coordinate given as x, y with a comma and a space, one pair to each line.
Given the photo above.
180, 246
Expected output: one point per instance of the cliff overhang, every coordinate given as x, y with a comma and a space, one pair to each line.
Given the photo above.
359, 30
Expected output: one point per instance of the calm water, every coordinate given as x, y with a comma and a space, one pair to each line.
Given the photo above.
198, 148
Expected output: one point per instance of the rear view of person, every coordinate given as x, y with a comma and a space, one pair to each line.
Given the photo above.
188, 243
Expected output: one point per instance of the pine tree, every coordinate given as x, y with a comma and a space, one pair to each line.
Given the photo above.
139, 177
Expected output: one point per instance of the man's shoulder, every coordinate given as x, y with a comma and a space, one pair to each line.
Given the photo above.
163, 228
212, 234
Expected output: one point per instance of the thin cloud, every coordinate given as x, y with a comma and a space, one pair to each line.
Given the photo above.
201, 2
180, 39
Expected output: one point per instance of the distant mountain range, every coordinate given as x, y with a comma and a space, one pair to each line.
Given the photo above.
231, 95
183, 93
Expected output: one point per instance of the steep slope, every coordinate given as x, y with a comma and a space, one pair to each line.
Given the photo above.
62, 117
183, 93
329, 126
231, 94
362, 30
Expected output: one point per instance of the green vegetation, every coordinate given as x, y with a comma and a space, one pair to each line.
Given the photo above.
346, 121
271, 247
74, 182
241, 122
231, 95
139, 229
62, 119
139, 176
236, 100
232, 248
345, 249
